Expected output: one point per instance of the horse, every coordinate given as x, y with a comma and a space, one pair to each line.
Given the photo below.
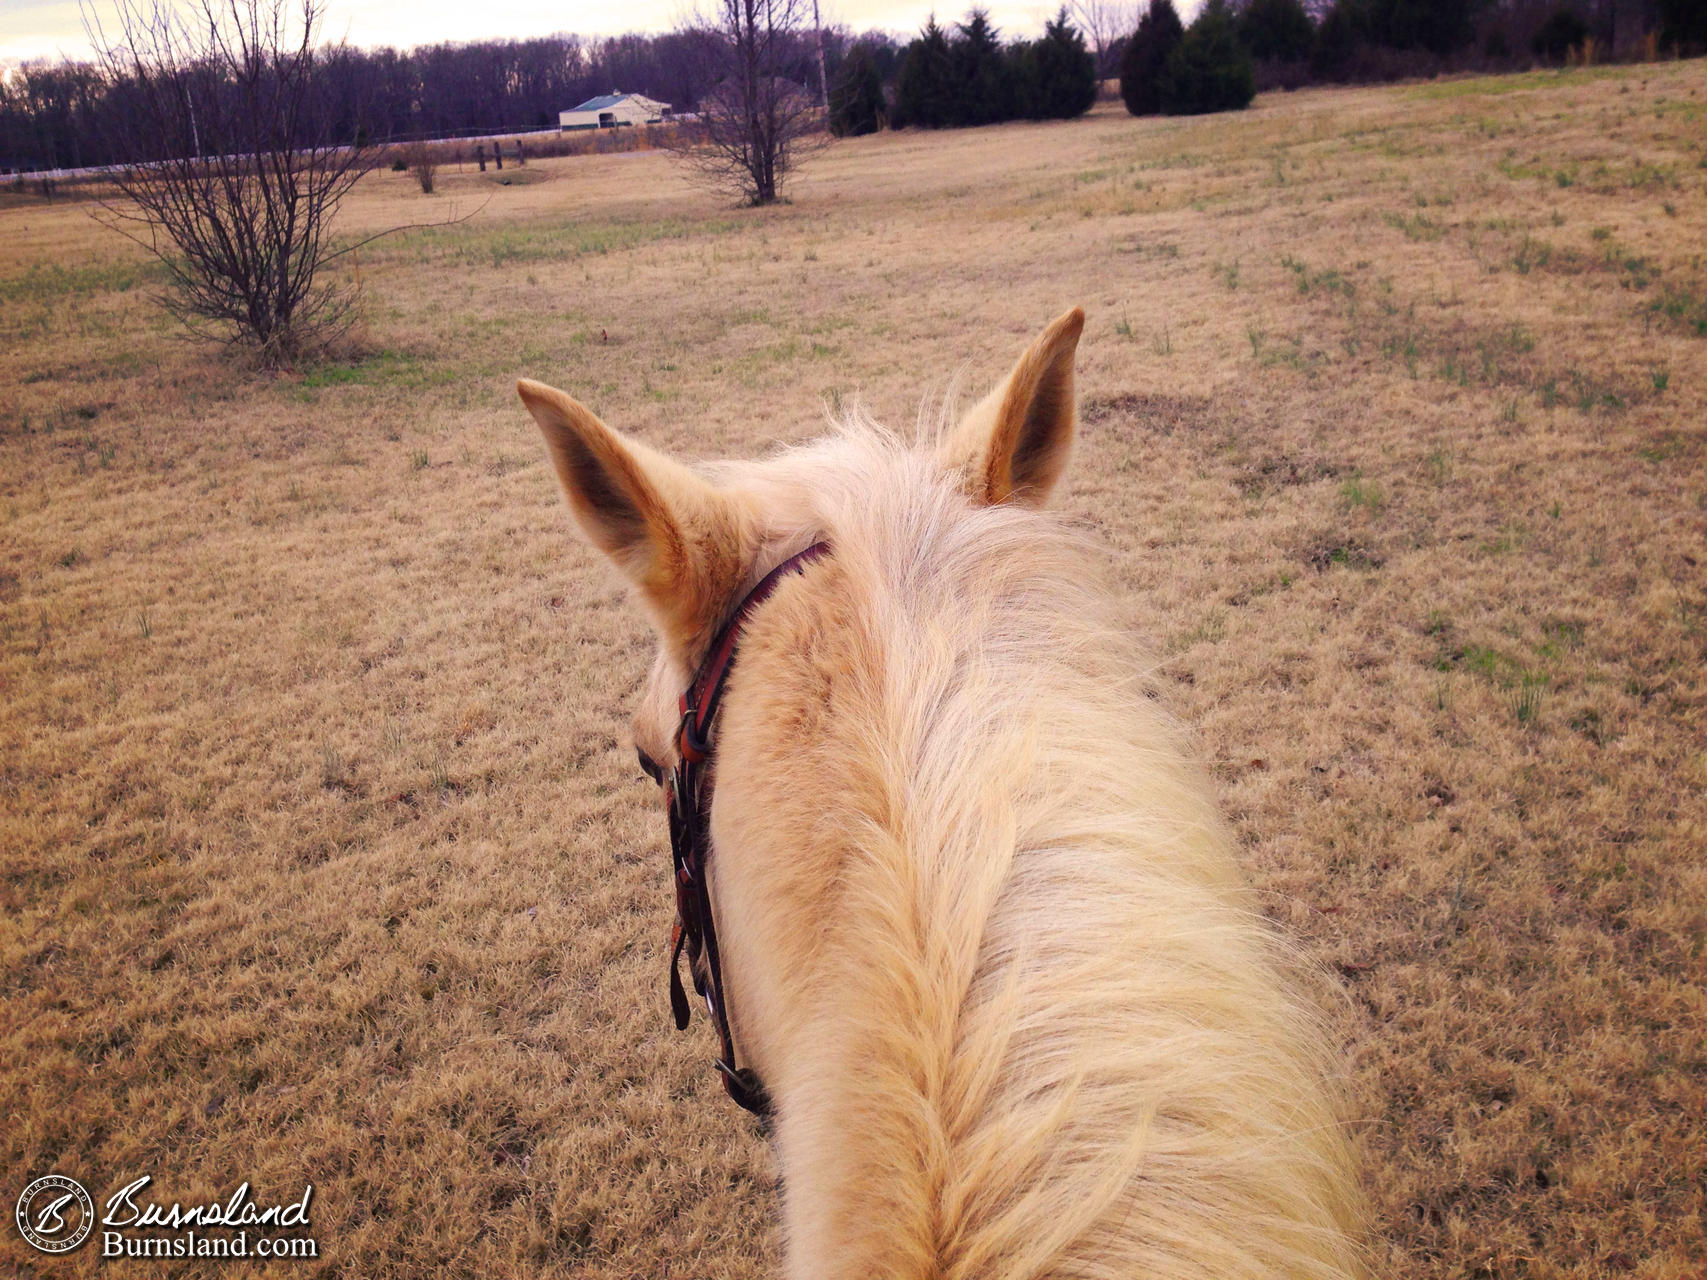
984, 946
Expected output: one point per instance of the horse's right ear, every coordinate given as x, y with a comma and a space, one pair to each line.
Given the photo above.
1014, 444
675, 537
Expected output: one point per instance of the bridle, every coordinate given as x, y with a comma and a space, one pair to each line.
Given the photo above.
688, 793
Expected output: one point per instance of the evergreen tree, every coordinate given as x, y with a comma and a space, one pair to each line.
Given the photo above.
970, 79
1440, 26
1057, 74
1209, 70
1145, 59
1683, 25
1557, 36
924, 88
983, 83
1277, 30
1336, 40
856, 99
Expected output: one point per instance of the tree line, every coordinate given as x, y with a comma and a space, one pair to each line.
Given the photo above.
1235, 47
51, 115
60, 115
968, 76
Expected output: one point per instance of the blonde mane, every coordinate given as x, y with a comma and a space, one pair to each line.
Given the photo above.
1054, 1036
984, 933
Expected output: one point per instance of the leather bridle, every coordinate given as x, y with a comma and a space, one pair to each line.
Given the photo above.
688, 793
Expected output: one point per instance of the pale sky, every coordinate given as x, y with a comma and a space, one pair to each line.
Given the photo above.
54, 28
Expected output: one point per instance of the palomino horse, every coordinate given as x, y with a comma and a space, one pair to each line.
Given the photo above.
983, 937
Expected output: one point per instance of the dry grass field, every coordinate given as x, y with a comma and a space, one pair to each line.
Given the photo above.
325, 856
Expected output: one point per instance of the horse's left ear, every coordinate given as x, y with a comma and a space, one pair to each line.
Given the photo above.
1014, 444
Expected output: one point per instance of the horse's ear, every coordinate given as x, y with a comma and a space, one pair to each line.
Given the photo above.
675, 537
1014, 444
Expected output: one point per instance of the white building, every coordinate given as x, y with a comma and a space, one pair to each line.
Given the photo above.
614, 109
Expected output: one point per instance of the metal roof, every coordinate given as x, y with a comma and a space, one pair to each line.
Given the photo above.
601, 102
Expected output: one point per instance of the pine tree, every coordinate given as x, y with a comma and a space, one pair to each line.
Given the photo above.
1057, 74
1440, 26
1557, 36
1683, 24
1209, 70
1277, 30
924, 88
856, 99
1145, 60
983, 85
1336, 40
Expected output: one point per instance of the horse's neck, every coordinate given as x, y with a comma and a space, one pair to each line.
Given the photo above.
884, 925
1046, 1036
1001, 975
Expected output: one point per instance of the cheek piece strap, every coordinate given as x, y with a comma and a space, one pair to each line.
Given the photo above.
688, 795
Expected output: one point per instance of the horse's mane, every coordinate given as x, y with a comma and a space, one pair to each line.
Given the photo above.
1065, 1042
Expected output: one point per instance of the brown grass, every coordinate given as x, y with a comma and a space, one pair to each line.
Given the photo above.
325, 858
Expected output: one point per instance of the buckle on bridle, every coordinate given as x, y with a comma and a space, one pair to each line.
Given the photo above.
695, 748
745, 1089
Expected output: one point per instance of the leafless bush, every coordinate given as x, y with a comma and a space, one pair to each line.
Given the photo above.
423, 163
233, 173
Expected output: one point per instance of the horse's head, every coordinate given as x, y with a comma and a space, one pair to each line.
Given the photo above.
692, 543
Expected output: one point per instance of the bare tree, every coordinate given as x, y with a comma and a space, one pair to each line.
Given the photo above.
232, 165
757, 122
423, 162
1104, 24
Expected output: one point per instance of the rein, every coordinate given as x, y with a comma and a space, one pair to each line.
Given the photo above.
688, 792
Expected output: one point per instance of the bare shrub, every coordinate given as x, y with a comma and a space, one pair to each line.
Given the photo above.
234, 171
423, 163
